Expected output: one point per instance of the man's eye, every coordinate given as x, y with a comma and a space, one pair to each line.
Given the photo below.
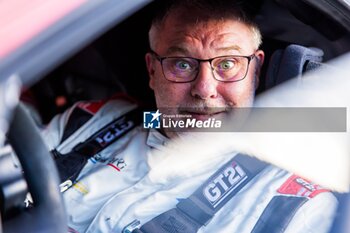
183, 65
226, 64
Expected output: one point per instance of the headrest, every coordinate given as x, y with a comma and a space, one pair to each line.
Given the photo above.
291, 62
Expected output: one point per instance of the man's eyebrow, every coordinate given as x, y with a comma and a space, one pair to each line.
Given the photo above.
230, 48
183, 50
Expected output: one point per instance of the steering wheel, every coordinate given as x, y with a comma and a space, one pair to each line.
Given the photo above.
48, 213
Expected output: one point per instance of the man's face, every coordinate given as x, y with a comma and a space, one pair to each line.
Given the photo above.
205, 97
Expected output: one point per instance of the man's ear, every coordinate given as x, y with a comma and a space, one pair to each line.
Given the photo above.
150, 63
259, 56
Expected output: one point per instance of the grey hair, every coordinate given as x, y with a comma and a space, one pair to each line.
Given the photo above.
217, 10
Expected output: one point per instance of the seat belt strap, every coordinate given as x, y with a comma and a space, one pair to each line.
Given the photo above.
220, 188
109, 133
272, 222
198, 209
70, 165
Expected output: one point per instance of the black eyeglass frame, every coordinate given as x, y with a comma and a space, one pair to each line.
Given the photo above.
161, 59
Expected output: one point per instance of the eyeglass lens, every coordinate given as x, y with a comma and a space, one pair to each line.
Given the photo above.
228, 68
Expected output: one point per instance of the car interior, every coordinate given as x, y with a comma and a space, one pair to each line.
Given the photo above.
115, 61
298, 37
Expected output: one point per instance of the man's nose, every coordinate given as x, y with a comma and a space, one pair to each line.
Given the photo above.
205, 85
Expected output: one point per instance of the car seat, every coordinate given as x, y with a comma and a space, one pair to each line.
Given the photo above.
291, 62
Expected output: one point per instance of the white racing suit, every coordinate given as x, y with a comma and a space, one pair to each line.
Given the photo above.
127, 181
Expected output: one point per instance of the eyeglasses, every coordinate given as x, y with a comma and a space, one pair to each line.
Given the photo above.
231, 68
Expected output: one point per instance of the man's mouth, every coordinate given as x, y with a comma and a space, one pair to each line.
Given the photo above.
204, 115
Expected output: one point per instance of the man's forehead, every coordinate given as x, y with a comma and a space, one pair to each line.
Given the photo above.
185, 49
224, 37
